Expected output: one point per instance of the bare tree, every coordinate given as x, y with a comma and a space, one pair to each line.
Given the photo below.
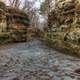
15, 3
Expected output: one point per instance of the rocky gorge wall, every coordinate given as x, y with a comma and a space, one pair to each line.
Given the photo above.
64, 26
14, 25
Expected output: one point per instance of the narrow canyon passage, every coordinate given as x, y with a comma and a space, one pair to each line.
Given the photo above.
34, 61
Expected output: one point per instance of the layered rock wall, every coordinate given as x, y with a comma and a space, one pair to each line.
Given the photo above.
65, 17
64, 24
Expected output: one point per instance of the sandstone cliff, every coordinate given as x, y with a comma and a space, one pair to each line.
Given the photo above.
14, 24
64, 25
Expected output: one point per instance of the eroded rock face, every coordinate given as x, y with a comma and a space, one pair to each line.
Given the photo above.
65, 18
74, 36
14, 25
63, 32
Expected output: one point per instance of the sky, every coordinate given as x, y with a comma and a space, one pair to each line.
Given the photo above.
36, 5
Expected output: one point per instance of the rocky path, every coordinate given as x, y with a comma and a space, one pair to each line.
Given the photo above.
34, 61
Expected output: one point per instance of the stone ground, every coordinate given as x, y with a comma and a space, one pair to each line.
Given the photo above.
34, 61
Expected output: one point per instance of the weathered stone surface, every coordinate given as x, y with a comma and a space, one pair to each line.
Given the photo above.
15, 24
74, 36
34, 61
64, 24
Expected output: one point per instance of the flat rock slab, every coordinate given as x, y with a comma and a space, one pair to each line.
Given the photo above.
34, 61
